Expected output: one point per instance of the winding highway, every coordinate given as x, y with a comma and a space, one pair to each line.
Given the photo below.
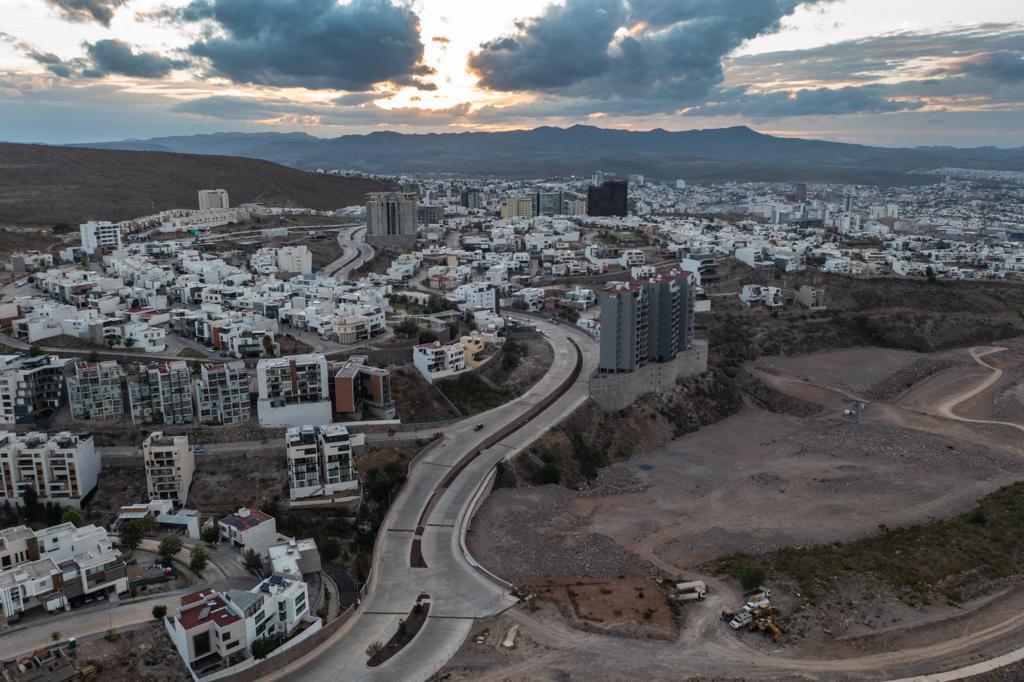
434, 510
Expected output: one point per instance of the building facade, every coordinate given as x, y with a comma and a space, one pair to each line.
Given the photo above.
222, 394
95, 391
359, 388
62, 468
610, 198
170, 464
293, 390
99, 236
31, 389
161, 393
391, 218
213, 198
320, 462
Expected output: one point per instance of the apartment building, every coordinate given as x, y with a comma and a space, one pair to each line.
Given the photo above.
249, 529
222, 394
320, 462
95, 391
62, 468
293, 390
18, 545
99, 236
161, 393
31, 389
65, 565
391, 218
517, 207
215, 630
170, 463
213, 198
645, 321
360, 388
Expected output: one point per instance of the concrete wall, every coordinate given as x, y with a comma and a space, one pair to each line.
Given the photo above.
614, 392
297, 414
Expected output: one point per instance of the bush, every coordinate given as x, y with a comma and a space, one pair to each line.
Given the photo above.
330, 549
550, 473
751, 577
253, 562
210, 533
159, 611
131, 534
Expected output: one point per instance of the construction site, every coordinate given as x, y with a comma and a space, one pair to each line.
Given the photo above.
841, 456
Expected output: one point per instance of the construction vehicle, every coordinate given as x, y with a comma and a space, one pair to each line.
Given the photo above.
698, 586
767, 625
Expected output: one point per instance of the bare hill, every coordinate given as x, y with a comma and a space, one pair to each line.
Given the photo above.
43, 185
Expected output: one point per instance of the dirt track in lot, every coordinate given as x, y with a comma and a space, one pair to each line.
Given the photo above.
760, 480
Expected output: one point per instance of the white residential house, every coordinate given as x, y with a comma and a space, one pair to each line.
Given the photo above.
214, 631
249, 529
435, 361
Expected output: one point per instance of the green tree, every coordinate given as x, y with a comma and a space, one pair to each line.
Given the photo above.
751, 577
34, 351
550, 473
200, 560
30, 500
210, 533
330, 549
252, 561
427, 336
94, 356
929, 272
407, 328
72, 516
169, 548
131, 534
159, 611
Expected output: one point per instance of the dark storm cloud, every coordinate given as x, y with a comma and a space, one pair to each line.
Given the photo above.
104, 58
101, 11
1005, 65
308, 43
671, 55
118, 57
807, 102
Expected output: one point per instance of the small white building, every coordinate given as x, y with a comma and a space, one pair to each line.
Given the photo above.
98, 235
249, 529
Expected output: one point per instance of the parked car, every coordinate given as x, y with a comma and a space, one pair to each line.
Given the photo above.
478, 427
198, 451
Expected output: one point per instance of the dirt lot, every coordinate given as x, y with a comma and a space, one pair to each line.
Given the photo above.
144, 653
764, 479
223, 482
627, 607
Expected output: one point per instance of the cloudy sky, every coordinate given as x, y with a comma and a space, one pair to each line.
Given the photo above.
887, 72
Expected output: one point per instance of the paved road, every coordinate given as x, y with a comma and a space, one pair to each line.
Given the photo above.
460, 593
354, 252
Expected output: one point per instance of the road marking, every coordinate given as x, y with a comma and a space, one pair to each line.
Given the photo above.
401, 530
438, 464
442, 525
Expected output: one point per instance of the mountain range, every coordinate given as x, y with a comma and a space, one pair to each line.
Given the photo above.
736, 153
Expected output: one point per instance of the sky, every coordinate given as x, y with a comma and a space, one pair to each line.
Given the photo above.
882, 72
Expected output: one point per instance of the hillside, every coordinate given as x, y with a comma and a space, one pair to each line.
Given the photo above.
43, 185
737, 153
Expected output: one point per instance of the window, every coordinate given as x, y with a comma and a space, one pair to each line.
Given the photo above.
201, 644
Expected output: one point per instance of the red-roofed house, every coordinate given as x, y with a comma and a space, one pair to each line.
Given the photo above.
208, 631
249, 529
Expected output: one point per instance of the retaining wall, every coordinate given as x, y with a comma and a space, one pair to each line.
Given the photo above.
613, 392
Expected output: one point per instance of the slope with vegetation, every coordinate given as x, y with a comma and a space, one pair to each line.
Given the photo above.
43, 185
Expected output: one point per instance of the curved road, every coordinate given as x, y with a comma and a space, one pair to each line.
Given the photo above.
355, 252
459, 591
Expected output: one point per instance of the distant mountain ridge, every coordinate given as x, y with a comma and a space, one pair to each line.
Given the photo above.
736, 153
44, 185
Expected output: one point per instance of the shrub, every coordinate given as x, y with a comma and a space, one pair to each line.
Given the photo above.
159, 611
751, 577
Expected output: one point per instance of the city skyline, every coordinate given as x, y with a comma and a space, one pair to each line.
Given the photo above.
855, 70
